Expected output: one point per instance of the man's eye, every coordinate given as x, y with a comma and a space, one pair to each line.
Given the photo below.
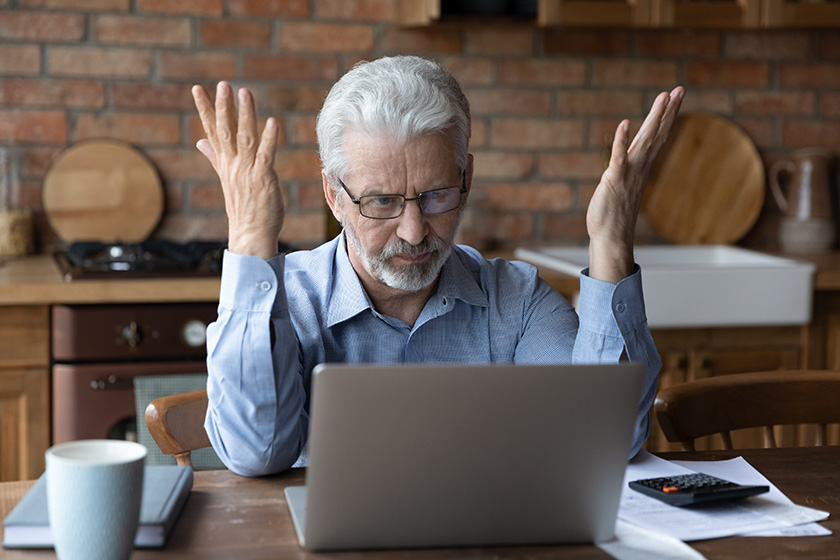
384, 201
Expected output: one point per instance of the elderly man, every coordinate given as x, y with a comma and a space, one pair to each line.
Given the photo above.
394, 137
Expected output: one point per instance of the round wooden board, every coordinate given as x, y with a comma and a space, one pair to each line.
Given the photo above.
707, 184
103, 190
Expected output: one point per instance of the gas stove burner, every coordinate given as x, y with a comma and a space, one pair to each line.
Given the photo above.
150, 258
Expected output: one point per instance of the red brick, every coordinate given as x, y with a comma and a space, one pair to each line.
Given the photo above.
708, 101
302, 131
47, 127
601, 133
510, 229
325, 37
269, 8
631, 72
810, 75
130, 30
297, 164
760, 130
199, 7
727, 74
530, 196
377, 10
800, 134
136, 128
506, 101
586, 42
295, 98
542, 72
63, 93
35, 26
144, 95
570, 228
587, 102
422, 40
503, 165
577, 165
529, 134
37, 161
207, 197
79, 5
309, 195
290, 67
111, 62
182, 163
768, 45
776, 103
224, 33
20, 59
830, 105
828, 45
678, 43
500, 40
187, 227
215, 66
471, 71
480, 134
304, 230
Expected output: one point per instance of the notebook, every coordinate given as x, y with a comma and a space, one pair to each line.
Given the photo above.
165, 491
405, 456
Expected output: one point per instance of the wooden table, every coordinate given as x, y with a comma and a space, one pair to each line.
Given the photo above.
229, 517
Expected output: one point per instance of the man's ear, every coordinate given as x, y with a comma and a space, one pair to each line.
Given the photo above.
331, 197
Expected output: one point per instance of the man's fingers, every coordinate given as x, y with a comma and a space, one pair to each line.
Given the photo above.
268, 144
205, 111
225, 119
618, 155
667, 122
246, 136
650, 126
206, 147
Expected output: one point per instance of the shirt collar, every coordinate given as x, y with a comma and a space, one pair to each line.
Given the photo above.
348, 298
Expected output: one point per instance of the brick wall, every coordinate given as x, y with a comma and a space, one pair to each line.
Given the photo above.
543, 100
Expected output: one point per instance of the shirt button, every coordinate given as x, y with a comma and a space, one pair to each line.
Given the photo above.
620, 307
265, 285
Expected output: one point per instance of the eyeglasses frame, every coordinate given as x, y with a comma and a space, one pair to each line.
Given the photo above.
358, 202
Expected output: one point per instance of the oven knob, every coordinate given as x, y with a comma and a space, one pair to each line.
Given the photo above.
132, 334
194, 333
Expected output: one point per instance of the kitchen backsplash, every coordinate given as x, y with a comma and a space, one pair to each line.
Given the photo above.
544, 101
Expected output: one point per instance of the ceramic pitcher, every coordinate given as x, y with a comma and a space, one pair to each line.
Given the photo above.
804, 196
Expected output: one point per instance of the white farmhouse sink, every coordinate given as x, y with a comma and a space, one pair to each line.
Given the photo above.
706, 285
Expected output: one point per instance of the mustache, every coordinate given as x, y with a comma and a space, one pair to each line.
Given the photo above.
401, 247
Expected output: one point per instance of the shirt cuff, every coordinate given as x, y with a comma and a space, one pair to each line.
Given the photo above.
611, 309
250, 283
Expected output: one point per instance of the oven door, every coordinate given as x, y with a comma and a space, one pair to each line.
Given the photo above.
94, 401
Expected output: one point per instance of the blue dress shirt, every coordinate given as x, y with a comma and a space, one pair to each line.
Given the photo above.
280, 318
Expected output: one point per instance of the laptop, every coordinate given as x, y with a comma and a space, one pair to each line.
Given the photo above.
409, 456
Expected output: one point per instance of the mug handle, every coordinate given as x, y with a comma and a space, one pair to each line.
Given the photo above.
775, 170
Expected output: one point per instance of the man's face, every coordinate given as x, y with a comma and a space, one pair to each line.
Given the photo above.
404, 253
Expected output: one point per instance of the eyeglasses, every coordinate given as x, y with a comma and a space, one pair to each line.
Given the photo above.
389, 206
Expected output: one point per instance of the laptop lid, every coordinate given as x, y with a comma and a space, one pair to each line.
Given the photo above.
405, 456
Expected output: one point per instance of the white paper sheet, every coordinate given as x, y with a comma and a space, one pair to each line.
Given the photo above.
635, 543
734, 518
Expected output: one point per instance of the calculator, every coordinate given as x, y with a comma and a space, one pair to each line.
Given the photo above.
694, 488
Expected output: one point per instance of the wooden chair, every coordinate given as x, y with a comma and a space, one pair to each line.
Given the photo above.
718, 405
176, 423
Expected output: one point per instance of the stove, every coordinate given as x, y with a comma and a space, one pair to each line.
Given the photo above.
153, 258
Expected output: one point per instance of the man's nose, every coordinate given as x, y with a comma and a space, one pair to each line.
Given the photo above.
412, 225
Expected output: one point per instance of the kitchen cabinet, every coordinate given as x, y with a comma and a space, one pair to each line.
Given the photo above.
24, 391
718, 14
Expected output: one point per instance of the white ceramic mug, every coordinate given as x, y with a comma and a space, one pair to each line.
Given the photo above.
94, 490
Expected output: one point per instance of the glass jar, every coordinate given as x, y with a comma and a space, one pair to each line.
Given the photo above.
15, 218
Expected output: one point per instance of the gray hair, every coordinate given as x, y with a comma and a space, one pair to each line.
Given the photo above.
406, 96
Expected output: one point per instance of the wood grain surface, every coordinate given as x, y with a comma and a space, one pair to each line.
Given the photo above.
707, 184
103, 190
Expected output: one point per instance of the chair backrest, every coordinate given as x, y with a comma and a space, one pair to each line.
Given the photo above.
176, 423
718, 405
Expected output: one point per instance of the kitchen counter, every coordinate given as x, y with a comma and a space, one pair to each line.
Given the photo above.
36, 280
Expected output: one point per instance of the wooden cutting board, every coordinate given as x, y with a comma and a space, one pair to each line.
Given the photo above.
103, 190
706, 186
